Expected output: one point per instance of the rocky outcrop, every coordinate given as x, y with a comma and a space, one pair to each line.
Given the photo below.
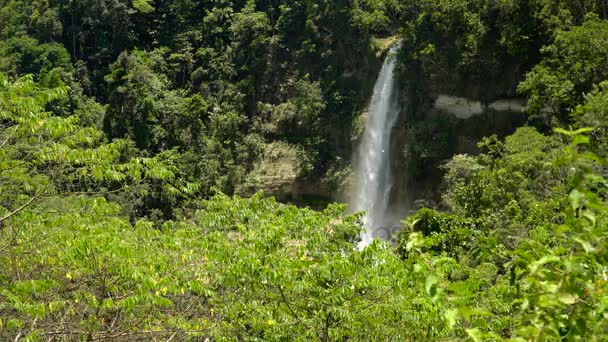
277, 170
277, 173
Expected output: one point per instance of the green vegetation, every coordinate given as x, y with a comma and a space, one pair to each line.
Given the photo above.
135, 136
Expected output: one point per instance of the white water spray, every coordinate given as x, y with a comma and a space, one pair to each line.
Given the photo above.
374, 179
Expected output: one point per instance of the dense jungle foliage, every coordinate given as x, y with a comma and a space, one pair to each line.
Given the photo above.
134, 136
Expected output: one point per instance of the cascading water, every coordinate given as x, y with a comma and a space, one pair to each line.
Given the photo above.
374, 179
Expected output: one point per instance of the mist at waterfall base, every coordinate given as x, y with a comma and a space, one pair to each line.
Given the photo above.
374, 179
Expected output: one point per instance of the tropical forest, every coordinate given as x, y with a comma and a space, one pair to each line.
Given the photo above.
304, 170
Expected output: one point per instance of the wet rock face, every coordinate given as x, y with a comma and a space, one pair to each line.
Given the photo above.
277, 174
447, 110
449, 126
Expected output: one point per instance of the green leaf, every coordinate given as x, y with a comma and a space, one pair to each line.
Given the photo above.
585, 244
560, 130
576, 198
583, 130
468, 312
567, 298
430, 284
475, 334
143, 6
590, 215
581, 140
451, 316
547, 259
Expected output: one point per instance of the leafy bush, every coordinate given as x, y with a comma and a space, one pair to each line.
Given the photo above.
444, 233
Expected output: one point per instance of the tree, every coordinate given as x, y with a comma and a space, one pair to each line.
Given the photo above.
25, 55
574, 62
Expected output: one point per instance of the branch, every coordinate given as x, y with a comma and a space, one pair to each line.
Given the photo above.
7, 139
90, 193
14, 166
16, 211
293, 313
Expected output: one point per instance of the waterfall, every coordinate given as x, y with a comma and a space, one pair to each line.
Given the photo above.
373, 169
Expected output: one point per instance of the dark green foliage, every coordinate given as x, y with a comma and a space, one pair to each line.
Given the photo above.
469, 48
574, 62
25, 55
594, 113
530, 276
520, 171
200, 77
76, 268
444, 233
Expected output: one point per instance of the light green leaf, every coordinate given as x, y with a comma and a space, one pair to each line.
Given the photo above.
431, 281
542, 261
567, 298
475, 334
143, 6
452, 317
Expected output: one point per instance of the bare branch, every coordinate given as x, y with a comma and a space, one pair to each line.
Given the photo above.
7, 139
293, 313
14, 166
16, 211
